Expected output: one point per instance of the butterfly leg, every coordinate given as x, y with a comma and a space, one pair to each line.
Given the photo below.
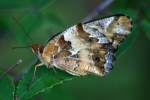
33, 77
35, 68
38, 65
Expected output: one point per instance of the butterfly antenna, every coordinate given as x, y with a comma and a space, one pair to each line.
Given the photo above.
20, 47
10, 68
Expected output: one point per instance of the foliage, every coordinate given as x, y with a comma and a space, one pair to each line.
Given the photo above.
31, 18
7, 92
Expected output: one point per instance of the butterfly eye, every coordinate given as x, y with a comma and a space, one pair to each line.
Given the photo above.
97, 59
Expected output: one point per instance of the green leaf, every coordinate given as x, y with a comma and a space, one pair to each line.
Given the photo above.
6, 88
45, 79
53, 94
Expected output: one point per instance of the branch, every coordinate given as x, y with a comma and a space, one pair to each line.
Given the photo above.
100, 7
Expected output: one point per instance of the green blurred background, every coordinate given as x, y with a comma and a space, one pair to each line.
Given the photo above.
23, 22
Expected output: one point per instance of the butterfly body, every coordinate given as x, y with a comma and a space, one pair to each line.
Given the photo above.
86, 47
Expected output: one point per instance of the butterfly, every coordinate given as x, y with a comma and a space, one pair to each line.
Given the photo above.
85, 48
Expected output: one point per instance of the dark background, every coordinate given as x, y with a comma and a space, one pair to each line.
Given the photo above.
21, 20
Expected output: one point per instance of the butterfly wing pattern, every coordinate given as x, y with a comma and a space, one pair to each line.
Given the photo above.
87, 47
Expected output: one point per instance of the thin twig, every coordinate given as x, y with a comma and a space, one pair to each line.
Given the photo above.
100, 7
10, 68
